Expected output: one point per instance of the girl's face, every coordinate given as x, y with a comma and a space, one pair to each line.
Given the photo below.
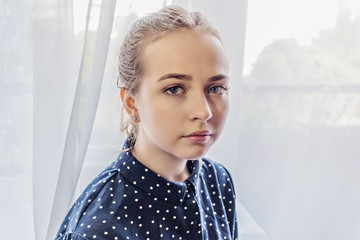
182, 101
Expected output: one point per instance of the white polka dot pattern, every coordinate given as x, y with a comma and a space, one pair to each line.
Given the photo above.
129, 201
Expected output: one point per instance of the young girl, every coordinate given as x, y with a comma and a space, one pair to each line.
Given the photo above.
174, 86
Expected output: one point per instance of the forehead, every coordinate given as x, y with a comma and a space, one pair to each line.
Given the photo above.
184, 50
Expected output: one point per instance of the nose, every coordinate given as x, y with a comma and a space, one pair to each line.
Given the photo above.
201, 109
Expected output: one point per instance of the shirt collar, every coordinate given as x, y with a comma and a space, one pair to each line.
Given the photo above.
152, 183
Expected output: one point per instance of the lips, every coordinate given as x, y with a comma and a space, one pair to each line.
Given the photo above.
199, 133
199, 136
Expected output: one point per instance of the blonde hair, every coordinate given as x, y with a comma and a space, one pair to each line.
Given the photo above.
143, 32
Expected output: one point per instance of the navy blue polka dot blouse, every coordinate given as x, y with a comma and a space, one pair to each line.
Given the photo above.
129, 201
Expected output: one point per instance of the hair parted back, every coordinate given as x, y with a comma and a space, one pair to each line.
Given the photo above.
143, 32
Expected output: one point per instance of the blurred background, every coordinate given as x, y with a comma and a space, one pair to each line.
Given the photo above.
292, 140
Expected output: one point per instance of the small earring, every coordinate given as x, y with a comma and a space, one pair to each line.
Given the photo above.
134, 118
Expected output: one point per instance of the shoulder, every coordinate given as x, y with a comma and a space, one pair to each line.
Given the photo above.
212, 169
221, 171
89, 204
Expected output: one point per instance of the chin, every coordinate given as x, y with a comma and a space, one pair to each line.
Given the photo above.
195, 154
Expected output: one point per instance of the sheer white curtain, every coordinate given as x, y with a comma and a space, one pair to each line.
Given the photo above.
299, 122
63, 91
52, 62
54, 78
15, 120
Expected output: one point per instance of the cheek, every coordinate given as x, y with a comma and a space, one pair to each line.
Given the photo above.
155, 112
221, 109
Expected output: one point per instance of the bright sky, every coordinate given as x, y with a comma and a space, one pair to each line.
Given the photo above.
269, 20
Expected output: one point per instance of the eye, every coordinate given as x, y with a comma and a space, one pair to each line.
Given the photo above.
175, 90
217, 89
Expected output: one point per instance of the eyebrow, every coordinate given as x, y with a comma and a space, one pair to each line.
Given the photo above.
188, 77
218, 77
175, 75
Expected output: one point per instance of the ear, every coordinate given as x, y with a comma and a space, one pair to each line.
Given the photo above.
128, 102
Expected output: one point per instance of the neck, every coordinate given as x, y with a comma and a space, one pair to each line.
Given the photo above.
164, 164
